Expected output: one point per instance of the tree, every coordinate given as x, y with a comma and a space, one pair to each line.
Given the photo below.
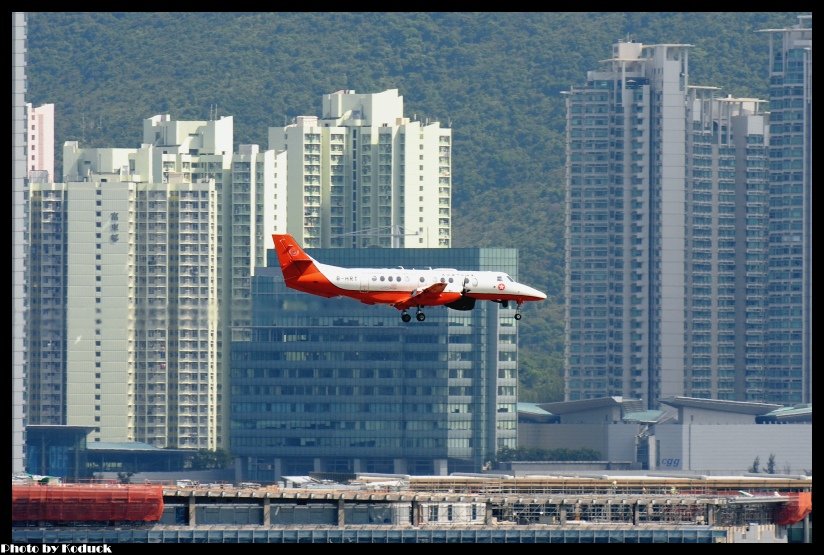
204, 459
755, 465
771, 464
538, 454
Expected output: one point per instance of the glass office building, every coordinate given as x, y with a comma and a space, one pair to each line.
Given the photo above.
333, 385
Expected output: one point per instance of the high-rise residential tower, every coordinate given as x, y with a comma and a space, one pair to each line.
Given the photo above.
124, 299
625, 263
40, 131
660, 272
19, 239
725, 246
143, 264
789, 317
364, 175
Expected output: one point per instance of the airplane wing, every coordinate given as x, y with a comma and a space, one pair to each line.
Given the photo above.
427, 297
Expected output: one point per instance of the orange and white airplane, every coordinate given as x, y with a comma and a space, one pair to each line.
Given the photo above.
399, 287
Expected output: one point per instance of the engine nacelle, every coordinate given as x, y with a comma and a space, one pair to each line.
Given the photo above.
464, 303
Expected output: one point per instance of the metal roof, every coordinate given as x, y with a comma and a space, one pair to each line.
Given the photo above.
740, 407
644, 416
797, 413
122, 446
532, 409
791, 411
564, 407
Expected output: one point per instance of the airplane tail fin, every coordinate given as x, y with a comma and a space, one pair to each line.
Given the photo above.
294, 262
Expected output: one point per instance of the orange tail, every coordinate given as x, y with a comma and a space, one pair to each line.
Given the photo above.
294, 262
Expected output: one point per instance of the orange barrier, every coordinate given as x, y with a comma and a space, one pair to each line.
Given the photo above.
86, 503
799, 506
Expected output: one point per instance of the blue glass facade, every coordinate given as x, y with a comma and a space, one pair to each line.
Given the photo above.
334, 385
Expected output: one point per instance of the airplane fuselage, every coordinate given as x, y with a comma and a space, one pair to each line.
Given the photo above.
402, 288
390, 285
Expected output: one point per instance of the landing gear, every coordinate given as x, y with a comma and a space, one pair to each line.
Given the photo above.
518, 310
419, 316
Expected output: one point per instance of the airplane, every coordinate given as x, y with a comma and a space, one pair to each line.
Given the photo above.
399, 287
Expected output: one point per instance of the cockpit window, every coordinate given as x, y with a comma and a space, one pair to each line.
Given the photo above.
500, 278
509, 278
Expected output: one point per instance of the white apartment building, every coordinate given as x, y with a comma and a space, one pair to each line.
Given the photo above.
40, 131
160, 243
255, 216
364, 175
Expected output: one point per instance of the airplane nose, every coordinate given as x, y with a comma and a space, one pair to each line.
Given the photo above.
528, 291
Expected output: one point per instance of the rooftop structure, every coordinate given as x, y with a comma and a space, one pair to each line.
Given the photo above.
381, 508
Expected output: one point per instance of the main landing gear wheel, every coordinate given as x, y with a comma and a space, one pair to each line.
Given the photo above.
405, 316
420, 316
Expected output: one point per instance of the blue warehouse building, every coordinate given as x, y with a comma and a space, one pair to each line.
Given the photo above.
333, 385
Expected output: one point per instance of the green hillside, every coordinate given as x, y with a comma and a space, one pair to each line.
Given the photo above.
495, 78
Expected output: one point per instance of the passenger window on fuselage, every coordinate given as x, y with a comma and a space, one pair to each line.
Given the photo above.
499, 278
